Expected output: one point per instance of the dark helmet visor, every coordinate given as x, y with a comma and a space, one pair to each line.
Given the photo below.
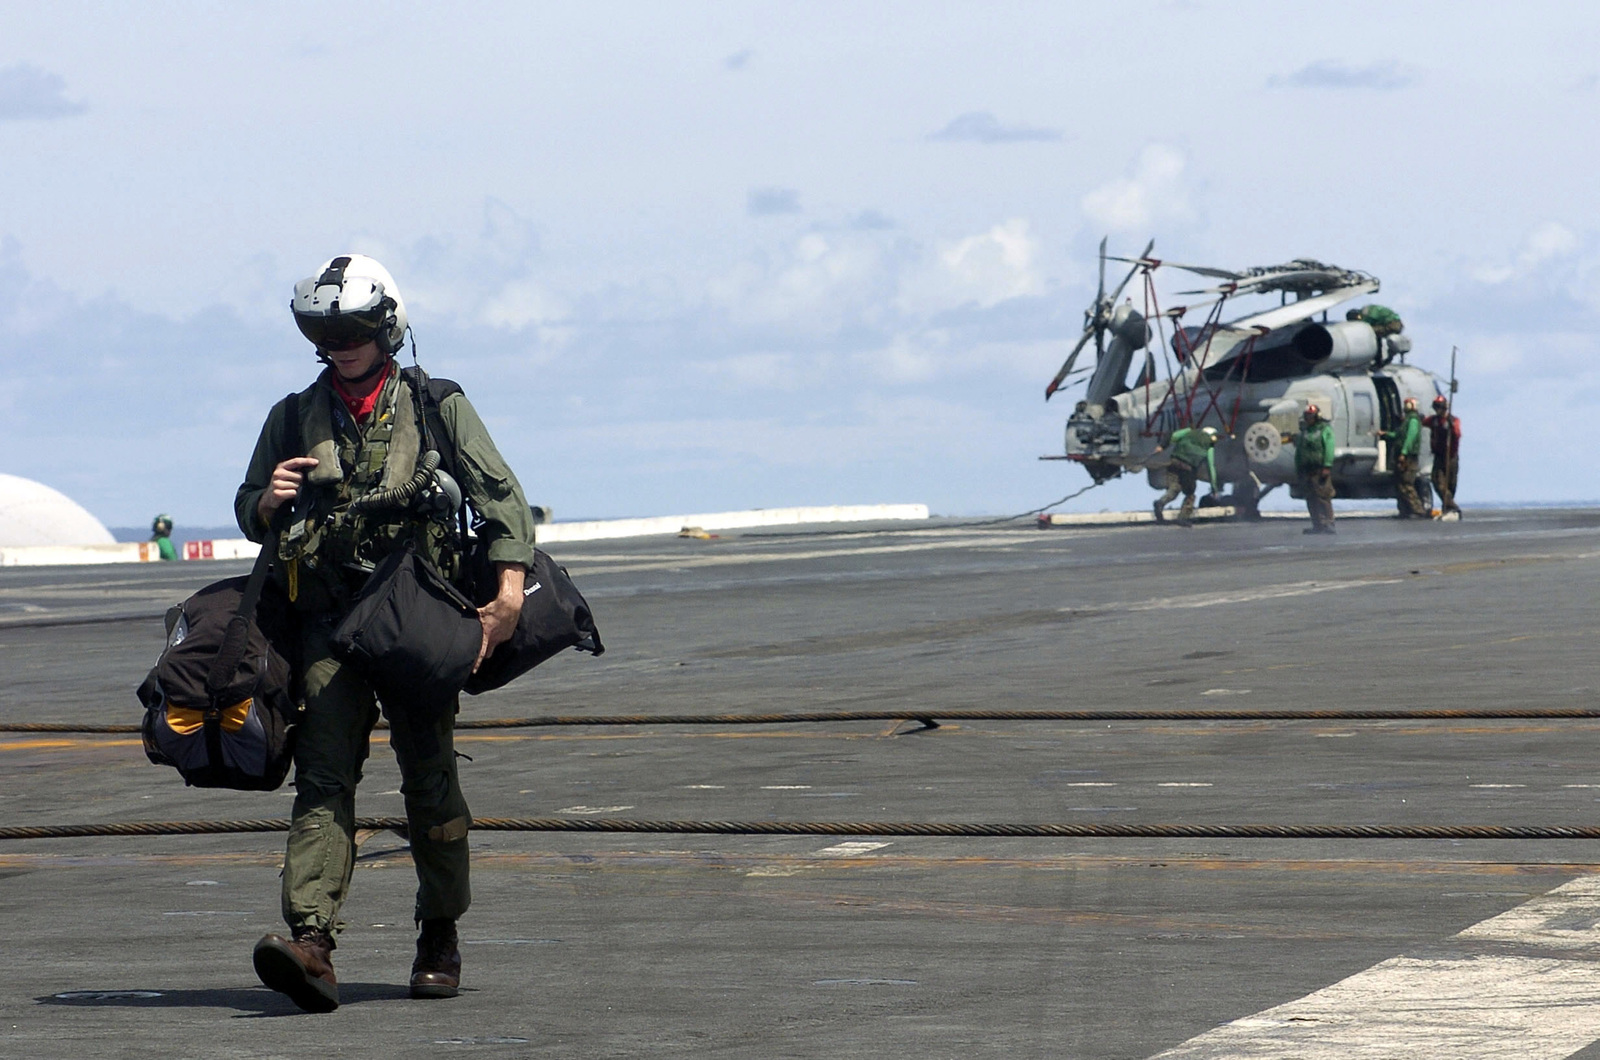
340, 331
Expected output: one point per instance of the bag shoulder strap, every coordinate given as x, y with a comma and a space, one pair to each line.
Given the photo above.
237, 637
430, 395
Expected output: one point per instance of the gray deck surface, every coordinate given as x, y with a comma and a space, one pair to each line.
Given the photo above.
697, 946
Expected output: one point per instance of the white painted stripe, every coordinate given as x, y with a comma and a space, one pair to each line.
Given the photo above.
1476, 1000
786, 787
853, 848
1184, 784
579, 565
1563, 919
604, 529
1497, 785
1266, 592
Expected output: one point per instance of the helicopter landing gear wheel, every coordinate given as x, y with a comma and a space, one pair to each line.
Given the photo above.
1262, 443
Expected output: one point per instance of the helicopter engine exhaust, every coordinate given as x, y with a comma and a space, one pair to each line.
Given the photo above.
1349, 344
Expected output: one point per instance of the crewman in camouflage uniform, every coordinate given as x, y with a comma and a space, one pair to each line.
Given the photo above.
1189, 447
1445, 442
1313, 462
1405, 444
359, 432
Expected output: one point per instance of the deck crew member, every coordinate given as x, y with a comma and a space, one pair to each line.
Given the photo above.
1189, 447
1383, 320
1444, 438
360, 430
1406, 445
161, 534
1313, 462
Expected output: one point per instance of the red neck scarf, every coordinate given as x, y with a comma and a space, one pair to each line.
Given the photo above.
360, 408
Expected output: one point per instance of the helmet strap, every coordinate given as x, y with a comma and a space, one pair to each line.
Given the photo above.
383, 362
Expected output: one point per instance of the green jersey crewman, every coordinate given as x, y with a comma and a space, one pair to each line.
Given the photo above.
1189, 446
1405, 446
1383, 320
161, 534
1313, 462
359, 431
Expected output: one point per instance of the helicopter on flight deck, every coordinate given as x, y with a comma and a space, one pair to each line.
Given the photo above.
1251, 378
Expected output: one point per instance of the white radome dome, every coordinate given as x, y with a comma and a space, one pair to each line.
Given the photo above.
32, 513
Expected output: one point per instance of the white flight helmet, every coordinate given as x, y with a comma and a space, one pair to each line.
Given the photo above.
1211, 432
351, 300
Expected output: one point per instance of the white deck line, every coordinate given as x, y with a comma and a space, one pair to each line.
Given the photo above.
670, 524
1478, 997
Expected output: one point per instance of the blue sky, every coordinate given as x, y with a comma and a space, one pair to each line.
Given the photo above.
689, 257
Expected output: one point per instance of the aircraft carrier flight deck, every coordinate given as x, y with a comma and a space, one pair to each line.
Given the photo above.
702, 945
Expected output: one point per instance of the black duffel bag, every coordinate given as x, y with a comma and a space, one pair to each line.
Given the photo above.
221, 704
412, 635
222, 701
555, 617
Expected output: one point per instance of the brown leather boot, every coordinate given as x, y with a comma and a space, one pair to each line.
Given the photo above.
301, 968
437, 970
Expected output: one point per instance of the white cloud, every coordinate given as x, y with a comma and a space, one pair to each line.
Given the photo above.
812, 286
1154, 193
1548, 241
992, 266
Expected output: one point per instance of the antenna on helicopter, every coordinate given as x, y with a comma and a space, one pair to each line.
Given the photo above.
1097, 318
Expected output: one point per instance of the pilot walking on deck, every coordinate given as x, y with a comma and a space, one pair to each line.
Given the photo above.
1406, 441
357, 424
1444, 432
1189, 447
1313, 462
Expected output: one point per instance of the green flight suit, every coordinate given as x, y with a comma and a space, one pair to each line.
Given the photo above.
1189, 446
1406, 441
1313, 461
333, 737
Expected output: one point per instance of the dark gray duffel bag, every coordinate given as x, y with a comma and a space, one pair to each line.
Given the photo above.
554, 617
412, 635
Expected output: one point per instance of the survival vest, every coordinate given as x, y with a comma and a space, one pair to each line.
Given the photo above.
330, 548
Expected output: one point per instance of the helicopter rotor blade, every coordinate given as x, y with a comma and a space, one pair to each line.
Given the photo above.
1142, 258
1100, 292
1072, 358
1202, 270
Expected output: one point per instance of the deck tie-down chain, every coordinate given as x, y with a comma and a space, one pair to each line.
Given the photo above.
930, 719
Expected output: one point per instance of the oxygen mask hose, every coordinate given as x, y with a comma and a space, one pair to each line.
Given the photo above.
402, 495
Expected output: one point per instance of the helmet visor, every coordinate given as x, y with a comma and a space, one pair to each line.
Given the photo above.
340, 331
